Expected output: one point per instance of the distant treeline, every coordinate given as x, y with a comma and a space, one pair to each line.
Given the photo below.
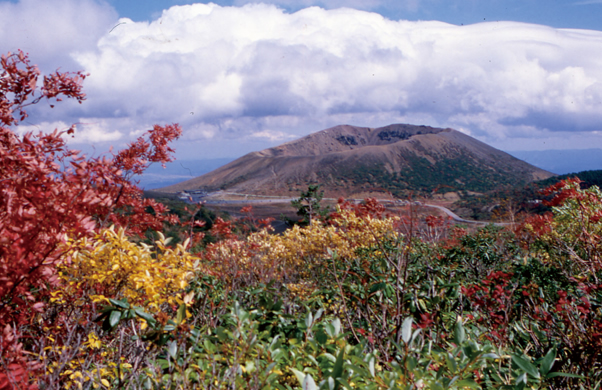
496, 204
589, 178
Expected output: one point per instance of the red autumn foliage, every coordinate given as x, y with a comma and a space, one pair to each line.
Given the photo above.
250, 223
221, 229
492, 297
561, 191
48, 191
17, 369
369, 207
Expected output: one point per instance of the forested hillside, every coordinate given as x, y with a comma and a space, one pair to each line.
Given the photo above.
512, 202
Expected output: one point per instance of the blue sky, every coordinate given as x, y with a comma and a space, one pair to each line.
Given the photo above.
240, 76
584, 14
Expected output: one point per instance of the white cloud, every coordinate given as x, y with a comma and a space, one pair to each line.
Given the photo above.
201, 131
50, 30
88, 131
273, 136
258, 73
95, 131
45, 127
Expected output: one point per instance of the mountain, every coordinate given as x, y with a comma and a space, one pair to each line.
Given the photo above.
562, 161
349, 160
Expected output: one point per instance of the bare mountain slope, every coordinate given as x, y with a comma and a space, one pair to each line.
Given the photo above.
348, 160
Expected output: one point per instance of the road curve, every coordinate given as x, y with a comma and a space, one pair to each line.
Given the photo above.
453, 215
275, 199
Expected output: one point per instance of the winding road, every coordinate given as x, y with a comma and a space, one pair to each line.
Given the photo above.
278, 199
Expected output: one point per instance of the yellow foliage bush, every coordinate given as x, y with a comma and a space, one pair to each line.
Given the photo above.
296, 253
111, 266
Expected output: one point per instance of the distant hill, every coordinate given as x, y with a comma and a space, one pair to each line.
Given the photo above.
177, 171
588, 179
349, 160
523, 198
562, 161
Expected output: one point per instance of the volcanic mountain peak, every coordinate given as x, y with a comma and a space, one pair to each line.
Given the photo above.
343, 138
349, 160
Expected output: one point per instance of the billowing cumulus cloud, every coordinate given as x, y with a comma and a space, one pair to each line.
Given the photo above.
247, 77
272, 135
84, 132
51, 30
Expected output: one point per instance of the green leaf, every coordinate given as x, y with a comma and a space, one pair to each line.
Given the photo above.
467, 383
565, 374
347, 385
337, 371
145, 316
490, 356
336, 323
172, 349
181, 314
415, 335
274, 343
221, 334
453, 380
459, 333
129, 314
308, 383
321, 337
547, 362
318, 315
164, 364
411, 363
471, 350
526, 366
451, 363
541, 336
521, 381
357, 370
329, 328
209, 346
114, 318
377, 287
406, 330
122, 304
436, 386
270, 367
309, 320
300, 376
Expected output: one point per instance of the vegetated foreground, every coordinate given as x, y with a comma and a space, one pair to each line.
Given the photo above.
93, 295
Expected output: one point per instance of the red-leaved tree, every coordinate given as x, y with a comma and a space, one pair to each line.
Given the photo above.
49, 192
